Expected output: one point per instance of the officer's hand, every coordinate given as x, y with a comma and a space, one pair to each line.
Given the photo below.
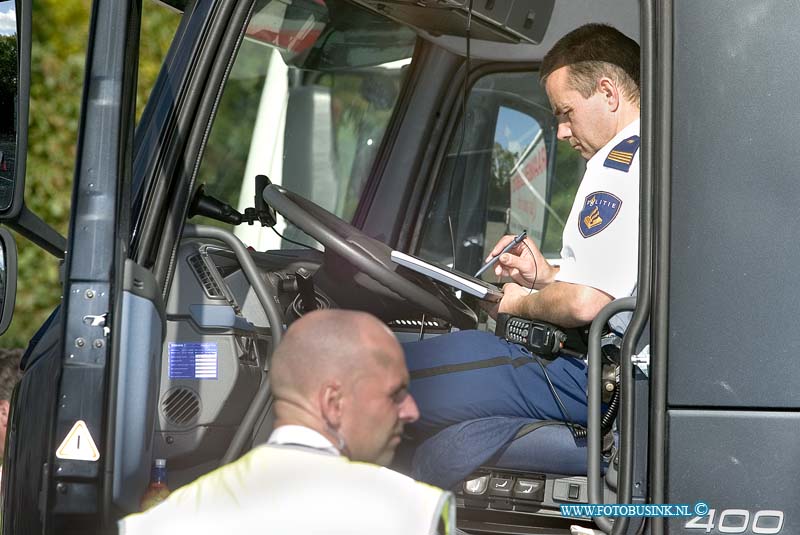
524, 263
512, 302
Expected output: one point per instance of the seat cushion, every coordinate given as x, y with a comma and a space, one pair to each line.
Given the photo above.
550, 448
447, 458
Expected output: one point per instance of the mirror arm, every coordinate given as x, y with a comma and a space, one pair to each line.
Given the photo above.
32, 227
209, 206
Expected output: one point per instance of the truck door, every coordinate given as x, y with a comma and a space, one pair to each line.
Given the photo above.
97, 245
726, 337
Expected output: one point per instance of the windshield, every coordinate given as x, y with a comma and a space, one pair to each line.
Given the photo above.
307, 103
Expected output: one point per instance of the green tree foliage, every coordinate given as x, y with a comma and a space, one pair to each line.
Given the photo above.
60, 29
226, 154
499, 194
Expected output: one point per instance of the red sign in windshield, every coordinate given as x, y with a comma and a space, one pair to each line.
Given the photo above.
294, 28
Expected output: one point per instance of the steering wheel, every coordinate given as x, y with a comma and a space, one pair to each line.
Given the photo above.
369, 256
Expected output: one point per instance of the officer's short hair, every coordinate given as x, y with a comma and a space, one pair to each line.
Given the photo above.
9, 371
591, 52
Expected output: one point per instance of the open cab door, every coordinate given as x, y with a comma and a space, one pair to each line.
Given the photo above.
57, 478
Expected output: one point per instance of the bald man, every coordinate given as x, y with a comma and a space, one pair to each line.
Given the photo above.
339, 382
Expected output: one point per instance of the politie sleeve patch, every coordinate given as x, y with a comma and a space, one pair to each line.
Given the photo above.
621, 156
599, 210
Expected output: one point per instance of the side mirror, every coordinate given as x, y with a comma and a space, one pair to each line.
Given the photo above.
8, 278
15, 63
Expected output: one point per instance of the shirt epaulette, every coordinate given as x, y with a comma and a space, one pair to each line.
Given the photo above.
621, 156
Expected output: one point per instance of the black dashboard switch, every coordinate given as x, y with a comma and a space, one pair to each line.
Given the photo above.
503, 504
574, 491
529, 489
500, 486
476, 486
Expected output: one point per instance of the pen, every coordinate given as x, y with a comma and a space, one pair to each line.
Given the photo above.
507, 248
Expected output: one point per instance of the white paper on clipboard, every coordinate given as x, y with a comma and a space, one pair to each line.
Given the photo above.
459, 281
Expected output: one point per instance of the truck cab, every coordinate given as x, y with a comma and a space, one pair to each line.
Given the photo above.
288, 147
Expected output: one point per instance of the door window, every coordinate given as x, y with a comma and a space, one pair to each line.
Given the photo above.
504, 171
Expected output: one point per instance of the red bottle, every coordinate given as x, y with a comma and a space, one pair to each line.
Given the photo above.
157, 491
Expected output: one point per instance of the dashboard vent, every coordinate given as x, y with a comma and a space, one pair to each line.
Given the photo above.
204, 276
181, 406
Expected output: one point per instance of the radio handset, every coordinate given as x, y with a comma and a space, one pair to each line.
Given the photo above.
543, 339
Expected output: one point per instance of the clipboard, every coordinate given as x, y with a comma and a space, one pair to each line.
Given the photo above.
460, 281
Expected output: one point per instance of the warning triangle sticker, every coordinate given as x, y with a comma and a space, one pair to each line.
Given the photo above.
78, 445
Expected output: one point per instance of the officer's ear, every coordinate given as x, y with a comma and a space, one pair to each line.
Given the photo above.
610, 93
331, 403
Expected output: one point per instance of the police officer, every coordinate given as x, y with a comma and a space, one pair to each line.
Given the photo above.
340, 389
591, 77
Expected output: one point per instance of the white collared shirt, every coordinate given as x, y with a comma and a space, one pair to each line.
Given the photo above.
303, 436
603, 253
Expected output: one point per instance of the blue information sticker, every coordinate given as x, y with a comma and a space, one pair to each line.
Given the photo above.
193, 360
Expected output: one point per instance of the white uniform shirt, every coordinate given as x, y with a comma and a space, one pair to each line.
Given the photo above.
601, 237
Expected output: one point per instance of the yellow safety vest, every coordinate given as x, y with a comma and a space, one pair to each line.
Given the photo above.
288, 490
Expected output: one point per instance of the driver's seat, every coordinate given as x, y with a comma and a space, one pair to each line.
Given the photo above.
505, 471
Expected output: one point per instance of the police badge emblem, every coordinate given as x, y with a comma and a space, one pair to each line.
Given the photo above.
599, 210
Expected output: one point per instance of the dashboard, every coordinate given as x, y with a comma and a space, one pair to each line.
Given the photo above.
218, 339
217, 342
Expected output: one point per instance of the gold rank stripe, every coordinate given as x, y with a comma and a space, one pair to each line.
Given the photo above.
627, 157
619, 160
